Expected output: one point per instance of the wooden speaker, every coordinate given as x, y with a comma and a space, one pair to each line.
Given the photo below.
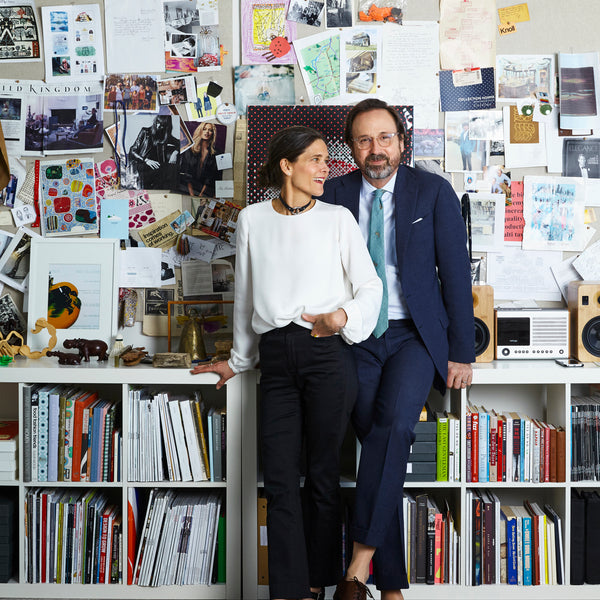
584, 320
483, 309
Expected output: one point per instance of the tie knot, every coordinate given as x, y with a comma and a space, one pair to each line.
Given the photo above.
379, 194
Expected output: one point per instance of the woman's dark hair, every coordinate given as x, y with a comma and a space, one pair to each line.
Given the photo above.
164, 120
365, 106
288, 143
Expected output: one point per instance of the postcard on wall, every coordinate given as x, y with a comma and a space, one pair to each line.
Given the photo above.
19, 32
579, 93
581, 158
487, 221
15, 259
267, 35
338, 13
524, 139
216, 217
463, 154
307, 12
132, 92
553, 209
68, 197
429, 143
478, 96
192, 36
114, 218
73, 45
522, 76
177, 90
513, 214
319, 58
205, 107
360, 61
263, 84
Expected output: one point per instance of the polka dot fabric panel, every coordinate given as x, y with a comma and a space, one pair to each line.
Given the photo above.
264, 121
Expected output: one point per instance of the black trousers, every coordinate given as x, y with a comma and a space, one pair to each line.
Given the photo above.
308, 388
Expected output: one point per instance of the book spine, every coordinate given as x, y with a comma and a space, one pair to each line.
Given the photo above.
34, 435
516, 444
493, 445
527, 565
475, 447
68, 464
511, 551
26, 432
53, 416
61, 437
484, 465
43, 435
216, 422
442, 448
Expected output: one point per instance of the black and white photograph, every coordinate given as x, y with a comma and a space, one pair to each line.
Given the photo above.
339, 13
581, 158
14, 262
153, 152
155, 301
307, 12
11, 319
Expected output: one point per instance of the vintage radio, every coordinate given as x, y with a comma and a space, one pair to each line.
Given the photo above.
532, 333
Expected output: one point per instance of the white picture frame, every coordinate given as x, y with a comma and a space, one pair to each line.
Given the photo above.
91, 265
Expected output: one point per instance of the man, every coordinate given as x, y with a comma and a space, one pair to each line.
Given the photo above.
425, 334
584, 169
466, 148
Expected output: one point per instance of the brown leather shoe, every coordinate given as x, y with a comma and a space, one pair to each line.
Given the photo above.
351, 590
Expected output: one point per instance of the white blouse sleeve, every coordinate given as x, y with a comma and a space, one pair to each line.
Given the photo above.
367, 289
244, 354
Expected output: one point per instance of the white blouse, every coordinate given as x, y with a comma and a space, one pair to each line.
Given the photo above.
314, 262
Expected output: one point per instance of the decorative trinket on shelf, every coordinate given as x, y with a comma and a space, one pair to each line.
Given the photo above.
191, 340
65, 358
133, 356
88, 348
172, 360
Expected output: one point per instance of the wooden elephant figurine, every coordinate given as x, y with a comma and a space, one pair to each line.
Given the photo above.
88, 348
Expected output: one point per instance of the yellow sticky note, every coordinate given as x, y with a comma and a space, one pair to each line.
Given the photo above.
514, 14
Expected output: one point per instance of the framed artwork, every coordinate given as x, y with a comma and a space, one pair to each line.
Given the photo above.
74, 286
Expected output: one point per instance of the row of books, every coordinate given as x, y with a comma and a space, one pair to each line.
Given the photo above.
174, 438
70, 435
512, 446
8, 537
178, 544
585, 436
432, 544
72, 536
448, 447
585, 533
9, 438
516, 545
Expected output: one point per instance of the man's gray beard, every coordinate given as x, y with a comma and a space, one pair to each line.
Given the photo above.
379, 173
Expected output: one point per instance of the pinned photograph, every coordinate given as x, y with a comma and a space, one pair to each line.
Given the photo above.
338, 13
263, 84
11, 319
177, 90
581, 158
14, 262
307, 12
153, 152
132, 92
462, 152
198, 169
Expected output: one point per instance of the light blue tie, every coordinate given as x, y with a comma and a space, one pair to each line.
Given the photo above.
377, 252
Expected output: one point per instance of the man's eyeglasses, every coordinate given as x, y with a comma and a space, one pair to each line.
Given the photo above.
383, 139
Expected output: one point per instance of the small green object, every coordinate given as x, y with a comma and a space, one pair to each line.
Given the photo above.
5, 360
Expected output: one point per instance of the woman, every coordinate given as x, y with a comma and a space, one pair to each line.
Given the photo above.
305, 289
199, 171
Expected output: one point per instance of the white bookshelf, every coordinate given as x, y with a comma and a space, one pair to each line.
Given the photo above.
539, 388
115, 383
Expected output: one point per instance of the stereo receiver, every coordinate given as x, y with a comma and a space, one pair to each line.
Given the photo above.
532, 333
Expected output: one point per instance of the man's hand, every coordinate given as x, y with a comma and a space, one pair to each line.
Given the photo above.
221, 368
460, 375
326, 324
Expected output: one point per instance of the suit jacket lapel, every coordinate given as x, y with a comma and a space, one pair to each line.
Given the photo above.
405, 197
348, 195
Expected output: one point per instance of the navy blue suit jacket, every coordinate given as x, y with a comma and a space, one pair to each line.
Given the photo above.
433, 261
